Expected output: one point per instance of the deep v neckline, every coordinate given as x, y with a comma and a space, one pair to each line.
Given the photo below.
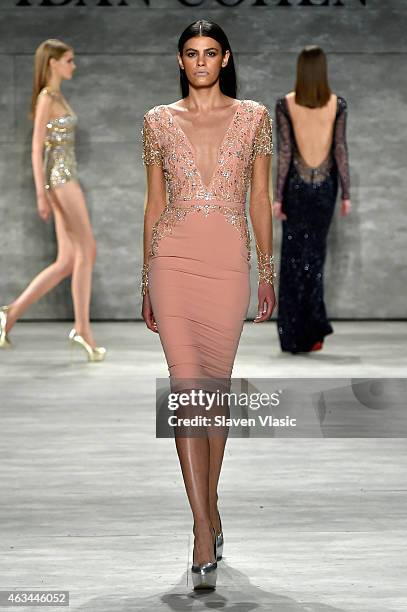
207, 188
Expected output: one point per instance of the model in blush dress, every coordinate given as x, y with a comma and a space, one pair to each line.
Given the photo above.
199, 262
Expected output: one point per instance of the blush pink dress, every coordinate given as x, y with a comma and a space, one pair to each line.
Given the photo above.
199, 260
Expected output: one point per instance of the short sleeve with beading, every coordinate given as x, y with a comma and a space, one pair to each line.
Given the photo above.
152, 152
263, 140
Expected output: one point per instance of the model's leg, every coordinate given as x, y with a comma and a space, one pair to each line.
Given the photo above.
193, 454
72, 203
216, 452
48, 278
217, 442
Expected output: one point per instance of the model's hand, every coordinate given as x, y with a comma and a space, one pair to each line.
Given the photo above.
345, 207
44, 206
278, 212
267, 301
147, 314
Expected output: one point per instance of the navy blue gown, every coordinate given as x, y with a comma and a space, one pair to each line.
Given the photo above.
308, 197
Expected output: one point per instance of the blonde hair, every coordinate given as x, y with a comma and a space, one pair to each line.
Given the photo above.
49, 49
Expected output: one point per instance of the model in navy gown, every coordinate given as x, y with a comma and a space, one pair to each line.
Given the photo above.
307, 196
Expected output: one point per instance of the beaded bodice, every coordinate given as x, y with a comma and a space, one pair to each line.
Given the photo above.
165, 143
61, 131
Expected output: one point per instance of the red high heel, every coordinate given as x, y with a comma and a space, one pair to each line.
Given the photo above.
317, 346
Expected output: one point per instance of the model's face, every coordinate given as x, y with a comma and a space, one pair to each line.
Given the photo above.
65, 66
202, 60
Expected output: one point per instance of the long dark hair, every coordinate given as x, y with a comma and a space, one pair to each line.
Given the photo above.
227, 77
312, 87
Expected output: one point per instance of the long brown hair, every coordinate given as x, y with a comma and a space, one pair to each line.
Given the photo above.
312, 87
47, 50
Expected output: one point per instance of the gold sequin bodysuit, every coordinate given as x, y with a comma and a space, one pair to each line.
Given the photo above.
60, 165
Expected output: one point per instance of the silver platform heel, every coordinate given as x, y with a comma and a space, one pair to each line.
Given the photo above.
219, 542
219, 546
204, 575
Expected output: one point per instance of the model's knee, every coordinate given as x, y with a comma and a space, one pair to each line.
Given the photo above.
87, 253
65, 265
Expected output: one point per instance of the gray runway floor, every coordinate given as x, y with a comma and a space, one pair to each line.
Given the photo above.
93, 503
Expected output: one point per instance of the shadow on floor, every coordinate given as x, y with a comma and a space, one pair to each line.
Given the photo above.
234, 593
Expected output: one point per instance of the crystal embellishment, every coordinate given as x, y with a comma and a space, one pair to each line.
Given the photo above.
165, 144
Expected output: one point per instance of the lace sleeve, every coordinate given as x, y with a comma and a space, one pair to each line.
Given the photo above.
152, 153
341, 148
284, 149
263, 140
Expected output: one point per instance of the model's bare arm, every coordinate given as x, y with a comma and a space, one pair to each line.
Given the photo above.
155, 202
42, 114
262, 221
260, 204
261, 215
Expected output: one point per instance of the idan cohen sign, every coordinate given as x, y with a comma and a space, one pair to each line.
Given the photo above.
190, 3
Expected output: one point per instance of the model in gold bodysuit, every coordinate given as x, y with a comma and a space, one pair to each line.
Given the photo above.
59, 146
59, 196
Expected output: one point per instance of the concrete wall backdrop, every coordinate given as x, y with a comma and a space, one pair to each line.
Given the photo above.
126, 64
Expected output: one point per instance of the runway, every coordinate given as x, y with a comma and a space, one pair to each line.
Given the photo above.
94, 504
